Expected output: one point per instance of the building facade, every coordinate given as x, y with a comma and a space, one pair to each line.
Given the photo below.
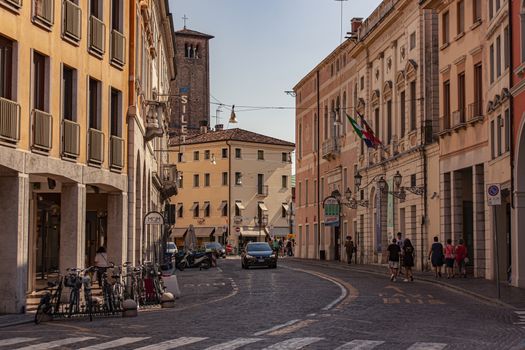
193, 80
235, 187
378, 73
67, 134
517, 83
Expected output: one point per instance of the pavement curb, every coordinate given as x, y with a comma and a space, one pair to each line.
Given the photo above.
18, 323
425, 280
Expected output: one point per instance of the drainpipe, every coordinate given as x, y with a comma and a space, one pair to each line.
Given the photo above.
230, 206
318, 137
511, 110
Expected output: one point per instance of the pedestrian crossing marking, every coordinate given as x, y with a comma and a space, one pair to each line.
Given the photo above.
521, 316
293, 328
172, 344
56, 343
360, 345
293, 344
427, 346
13, 341
234, 344
115, 343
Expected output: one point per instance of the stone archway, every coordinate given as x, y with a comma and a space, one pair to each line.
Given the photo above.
518, 231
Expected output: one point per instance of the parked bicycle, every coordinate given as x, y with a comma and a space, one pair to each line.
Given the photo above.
50, 301
78, 279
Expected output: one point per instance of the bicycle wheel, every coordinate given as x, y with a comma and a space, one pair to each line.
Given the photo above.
41, 313
89, 304
73, 302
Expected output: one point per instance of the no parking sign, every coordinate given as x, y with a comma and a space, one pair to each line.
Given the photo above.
494, 194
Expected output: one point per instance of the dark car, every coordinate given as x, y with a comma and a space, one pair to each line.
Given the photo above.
216, 248
258, 254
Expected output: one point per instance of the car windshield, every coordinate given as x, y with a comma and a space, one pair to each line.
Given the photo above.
258, 247
213, 245
171, 246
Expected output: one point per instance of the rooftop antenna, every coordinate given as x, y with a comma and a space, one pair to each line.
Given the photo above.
341, 1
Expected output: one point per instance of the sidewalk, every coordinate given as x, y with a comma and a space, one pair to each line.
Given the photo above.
16, 319
477, 287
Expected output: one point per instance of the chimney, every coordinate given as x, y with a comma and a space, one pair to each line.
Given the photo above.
203, 126
219, 127
356, 24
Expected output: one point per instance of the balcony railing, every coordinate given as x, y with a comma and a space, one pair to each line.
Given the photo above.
475, 111
70, 139
262, 190
458, 118
97, 30
43, 11
116, 152
9, 121
118, 48
42, 130
96, 146
72, 15
13, 4
444, 123
330, 148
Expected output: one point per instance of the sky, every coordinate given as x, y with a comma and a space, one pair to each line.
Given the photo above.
263, 48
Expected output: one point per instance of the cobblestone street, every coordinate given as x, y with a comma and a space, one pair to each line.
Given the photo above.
300, 305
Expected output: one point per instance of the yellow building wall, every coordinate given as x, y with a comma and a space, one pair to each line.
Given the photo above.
29, 37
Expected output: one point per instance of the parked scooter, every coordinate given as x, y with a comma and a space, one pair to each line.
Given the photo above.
192, 259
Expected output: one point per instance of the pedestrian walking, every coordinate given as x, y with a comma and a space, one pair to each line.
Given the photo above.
461, 258
275, 247
436, 256
289, 250
281, 247
349, 248
393, 259
101, 263
400, 243
450, 257
408, 259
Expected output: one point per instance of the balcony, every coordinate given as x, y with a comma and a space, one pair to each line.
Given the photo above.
42, 130
118, 48
475, 111
9, 121
330, 149
97, 31
458, 118
72, 16
43, 12
116, 153
70, 139
95, 147
13, 5
262, 190
170, 181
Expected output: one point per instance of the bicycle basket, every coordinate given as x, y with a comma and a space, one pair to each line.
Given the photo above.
71, 281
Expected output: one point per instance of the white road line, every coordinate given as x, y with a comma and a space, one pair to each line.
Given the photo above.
172, 344
13, 341
360, 345
276, 328
293, 344
56, 343
520, 312
427, 346
115, 343
234, 344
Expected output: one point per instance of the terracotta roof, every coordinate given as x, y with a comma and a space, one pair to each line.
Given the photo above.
230, 135
193, 32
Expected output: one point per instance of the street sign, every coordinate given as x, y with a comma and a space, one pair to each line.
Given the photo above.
494, 194
331, 211
153, 218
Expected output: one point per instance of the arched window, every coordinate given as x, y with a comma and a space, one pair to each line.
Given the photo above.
343, 113
325, 124
523, 31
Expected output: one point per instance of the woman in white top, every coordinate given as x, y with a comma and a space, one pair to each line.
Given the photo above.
101, 262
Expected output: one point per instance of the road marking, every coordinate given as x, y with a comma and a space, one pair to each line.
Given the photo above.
234, 344
172, 344
427, 346
521, 316
219, 269
293, 344
115, 343
289, 323
520, 312
14, 341
360, 345
56, 343
293, 328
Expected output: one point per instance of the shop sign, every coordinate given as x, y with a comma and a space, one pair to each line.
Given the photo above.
331, 211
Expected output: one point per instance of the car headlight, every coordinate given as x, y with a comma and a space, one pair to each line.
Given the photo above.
248, 256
